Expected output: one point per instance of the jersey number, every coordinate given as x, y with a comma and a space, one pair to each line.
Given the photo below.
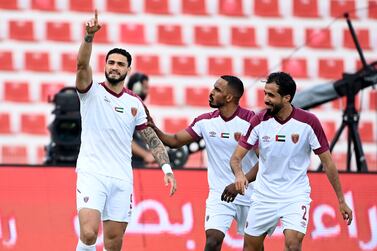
304, 215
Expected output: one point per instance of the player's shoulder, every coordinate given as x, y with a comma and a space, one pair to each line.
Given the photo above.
208, 115
305, 116
245, 114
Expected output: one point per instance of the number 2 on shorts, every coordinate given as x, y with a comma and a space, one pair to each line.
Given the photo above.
304, 215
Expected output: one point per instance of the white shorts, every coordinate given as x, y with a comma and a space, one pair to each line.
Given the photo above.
219, 215
263, 217
111, 196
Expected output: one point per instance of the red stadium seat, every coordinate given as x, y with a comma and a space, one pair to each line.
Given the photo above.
371, 161
14, 154
41, 155
132, 33
339, 7
118, 6
206, 35
330, 129
6, 61
362, 35
366, 131
161, 95
16, 91
243, 36
305, 8
173, 125
81, 5
231, 8
340, 160
33, 124
101, 62
48, 90
372, 6
341, 103
220, 66
37, 61
183, 65
330, 68
149, 64
318, 38
243, 100
266, 8
194, 7
68, 62
169, 34
373, 100
9, 4
21, 30
156, 7
255, 67
44, 5
197, 96
296, 67
280, 37
102, 36
58, 31
5, 127
259, 99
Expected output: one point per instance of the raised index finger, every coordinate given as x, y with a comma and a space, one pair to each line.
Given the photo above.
96, 15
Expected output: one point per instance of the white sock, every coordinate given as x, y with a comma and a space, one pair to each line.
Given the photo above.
81, 246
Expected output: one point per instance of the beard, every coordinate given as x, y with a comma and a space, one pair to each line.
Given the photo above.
214, 105
275, 109
115, 81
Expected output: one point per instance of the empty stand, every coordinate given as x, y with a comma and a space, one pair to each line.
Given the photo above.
101, 62
255, 67
44, 5
160, 7
48, 90
329, 128
243, 36
366, 131
267, 8
68, 62
305, 8
296, 67
372, 7
340, 160
6, 61
81, 5
231, 8
330, 68
341, 103
37, 61
102, 36
149, 64
5, 127
118, 6
33, 124
161, 95
21, 30
58, 31
339, 7
173, 125
16, 91
362, 36
183, 65
259, 98
220, 66
197, 96
169, 34
132, 33
14, 154
9, 4
373, 100
194, 7
206, 35
280, 37
318, 38
371, 161
41, 154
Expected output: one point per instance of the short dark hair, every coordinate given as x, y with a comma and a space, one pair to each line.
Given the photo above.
122, 52
235, 84
136, 77
287, 85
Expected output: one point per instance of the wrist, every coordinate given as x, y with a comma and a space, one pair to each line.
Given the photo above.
89, 38
166, 168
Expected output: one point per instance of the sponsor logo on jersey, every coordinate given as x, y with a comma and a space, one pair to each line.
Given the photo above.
212, 134
133, 111
224, 135
119, 109
266, 138
106, 99
207, 217
237, 136
86, 198
280, 138
295, 137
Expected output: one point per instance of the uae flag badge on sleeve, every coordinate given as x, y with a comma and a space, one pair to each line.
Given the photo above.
280, 138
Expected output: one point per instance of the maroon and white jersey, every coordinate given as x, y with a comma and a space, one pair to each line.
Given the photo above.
108, 123
284, 154
221, 136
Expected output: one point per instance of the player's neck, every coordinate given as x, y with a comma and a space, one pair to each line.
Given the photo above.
227, 111
117, 88
285, 112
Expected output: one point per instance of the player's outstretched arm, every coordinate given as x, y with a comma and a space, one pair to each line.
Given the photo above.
84, 71
333, 177
235, 163
161, 156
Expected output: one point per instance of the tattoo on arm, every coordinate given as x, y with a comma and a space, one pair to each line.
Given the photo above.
156, 147
88, 38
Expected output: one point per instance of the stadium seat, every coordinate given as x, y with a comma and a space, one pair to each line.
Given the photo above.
183, 65
366, 131
318, 38
206, 35
58, 31
5, 127
280, 37
81, 5
220, 66
21, 30
330, 68
118, 6
14, 154
41, 155
44, 5
33, 124
266, 8
48, 90
161, 95
330, 129
243, 36
9, 4
6, 61
132, 33
197, 96
259, 98
101, 62
102, 36
243, 100
37, 61
149, 64
371, 161
169, 34
68, 62
372, 6
255, 66
340, 160
173, 125
296, 67
341, 103
16, 91
231, 8
160, 7
339, 7
194, 7
373, 100
362, 35
305, 8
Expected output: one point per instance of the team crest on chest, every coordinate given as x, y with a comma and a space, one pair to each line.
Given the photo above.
133, 111
295, 137
237, 136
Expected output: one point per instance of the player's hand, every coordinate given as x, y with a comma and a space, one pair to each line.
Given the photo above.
150, 121
241, 183
229, 193
93, 26
346, 212
169, 178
